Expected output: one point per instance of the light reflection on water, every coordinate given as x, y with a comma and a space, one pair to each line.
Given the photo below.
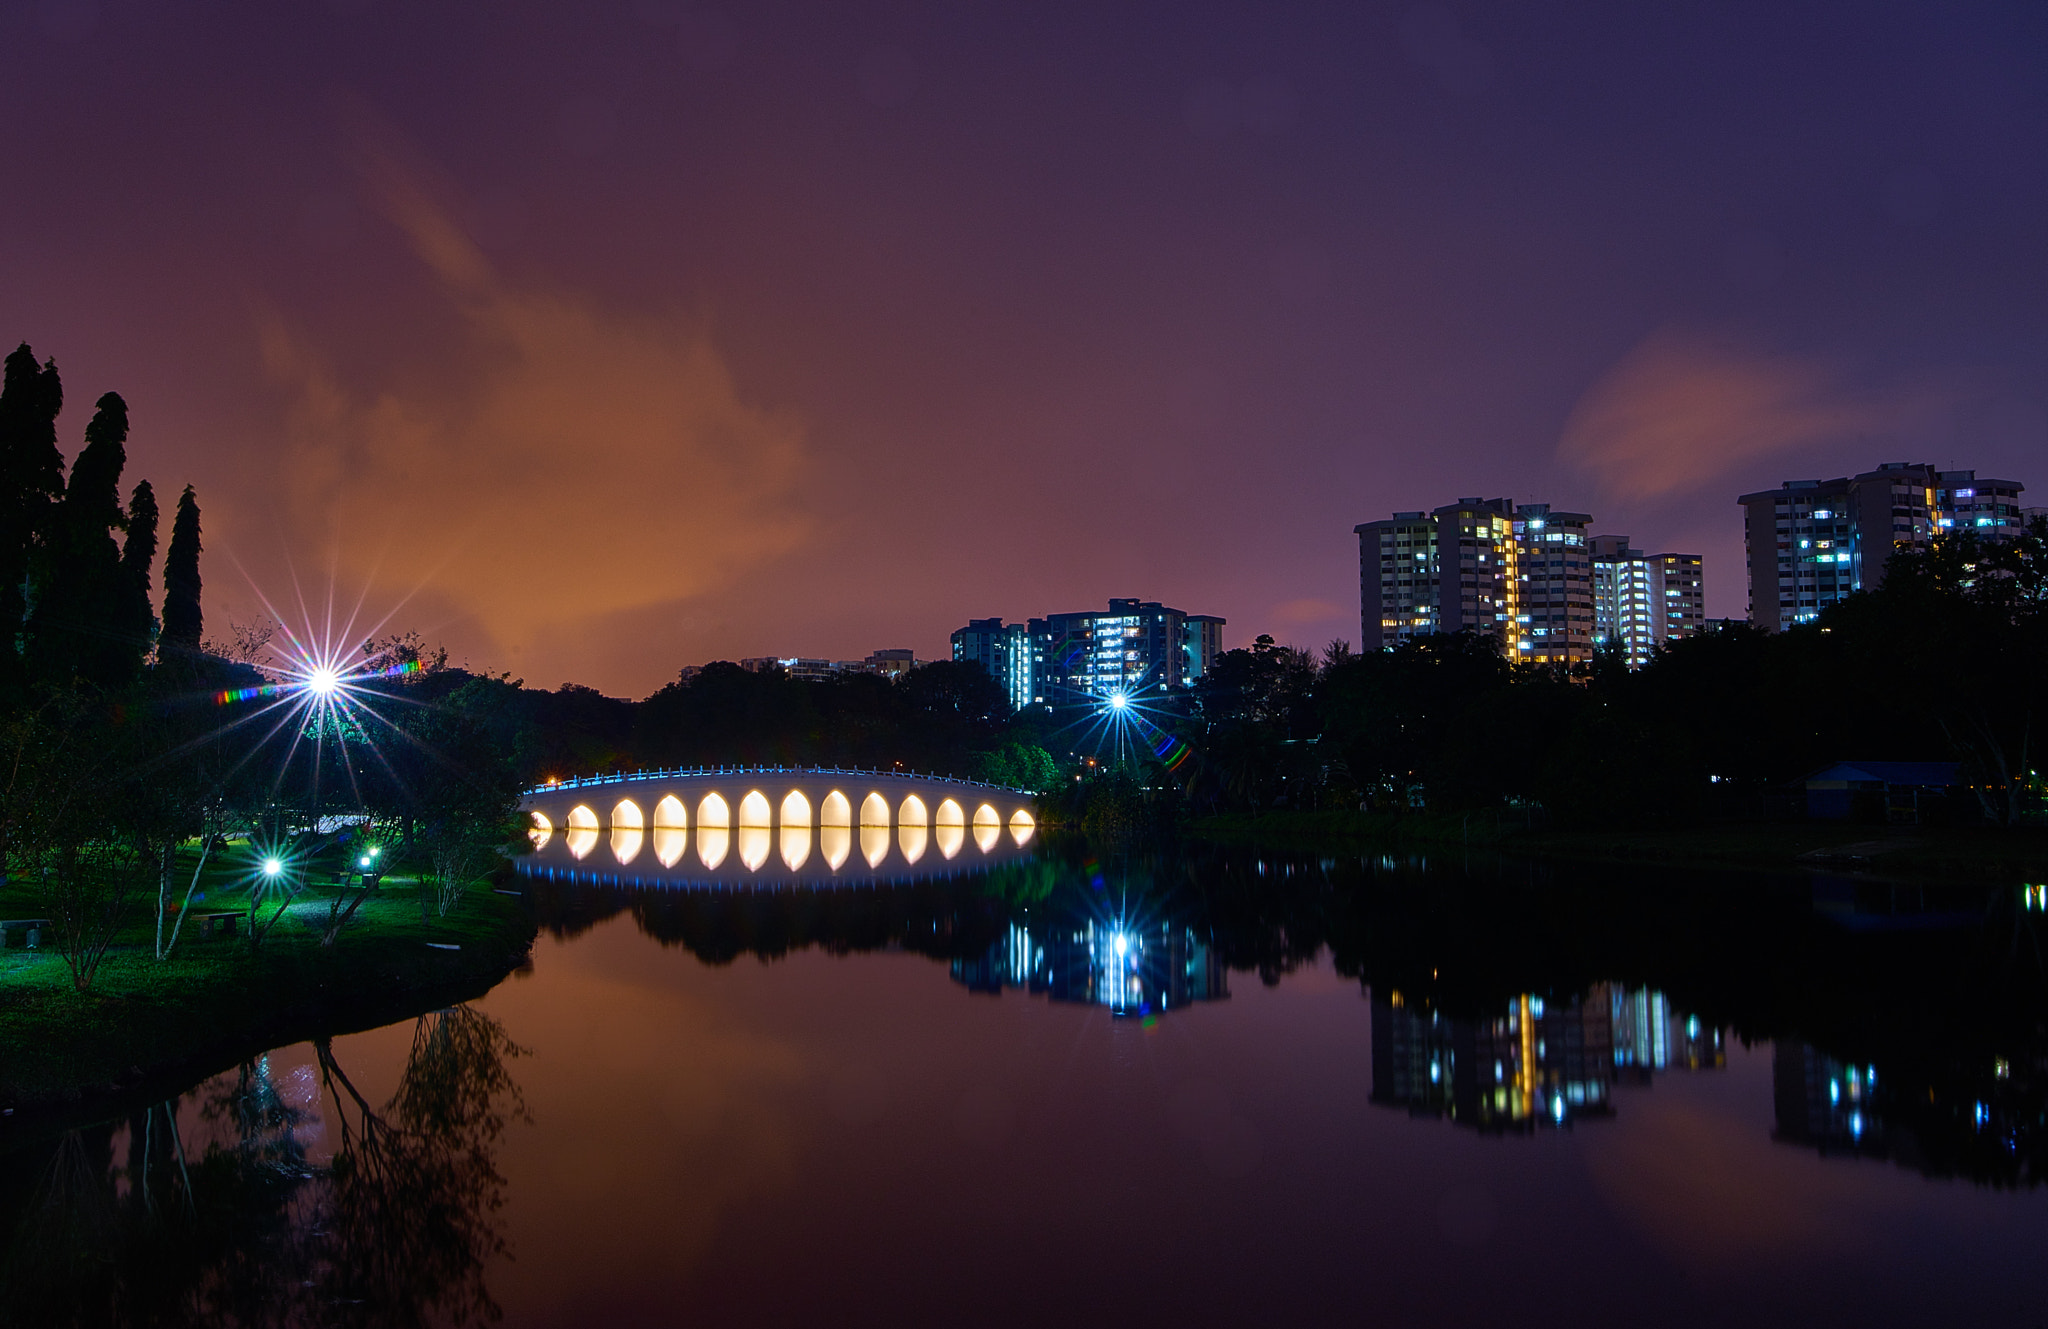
903, 1109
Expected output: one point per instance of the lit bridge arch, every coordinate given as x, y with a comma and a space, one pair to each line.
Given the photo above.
744, 825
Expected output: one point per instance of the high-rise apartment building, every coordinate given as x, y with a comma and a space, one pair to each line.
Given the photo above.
1641, 601
1812, 543
1449, 570
1520, 574
1004, 649
1989, 508
1553, 613
1137, 648
1397, 579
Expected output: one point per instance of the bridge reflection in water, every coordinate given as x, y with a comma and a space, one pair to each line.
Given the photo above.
758, 825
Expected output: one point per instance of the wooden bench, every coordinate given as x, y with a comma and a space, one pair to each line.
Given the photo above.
217, 922
32, 928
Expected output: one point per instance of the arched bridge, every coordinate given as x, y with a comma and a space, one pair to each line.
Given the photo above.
735, 823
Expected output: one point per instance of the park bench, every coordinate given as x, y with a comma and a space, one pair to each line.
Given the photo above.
217, 922
31, 928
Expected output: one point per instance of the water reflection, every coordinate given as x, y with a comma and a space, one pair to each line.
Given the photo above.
1535, 1062
1501, 998
1491, 987
1132, 969
275, 1196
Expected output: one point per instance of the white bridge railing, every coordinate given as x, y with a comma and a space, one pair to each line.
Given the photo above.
686, 772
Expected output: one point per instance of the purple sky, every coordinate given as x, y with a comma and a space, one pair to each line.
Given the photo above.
621, 337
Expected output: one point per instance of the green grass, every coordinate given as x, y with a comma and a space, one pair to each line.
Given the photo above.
147, 1026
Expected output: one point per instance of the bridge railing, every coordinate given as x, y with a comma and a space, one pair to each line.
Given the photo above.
684, 772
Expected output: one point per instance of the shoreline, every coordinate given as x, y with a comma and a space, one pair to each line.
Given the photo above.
1944, 855
148, 1031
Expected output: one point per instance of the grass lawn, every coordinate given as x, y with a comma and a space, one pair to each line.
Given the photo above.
148, 1027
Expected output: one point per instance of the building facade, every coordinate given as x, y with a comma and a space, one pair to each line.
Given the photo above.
1137, 648
1004, 650
1397, 579
1810, 544
1553, 610
891, 663
1642, 601
1522, 575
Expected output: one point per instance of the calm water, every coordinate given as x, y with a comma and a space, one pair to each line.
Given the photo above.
1226, 1087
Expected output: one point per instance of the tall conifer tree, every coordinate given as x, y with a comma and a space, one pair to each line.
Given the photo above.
182, 620
80, 623
138, 552
31, 478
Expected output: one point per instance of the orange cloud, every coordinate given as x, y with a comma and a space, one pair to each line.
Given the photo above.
1679, 411
584, 463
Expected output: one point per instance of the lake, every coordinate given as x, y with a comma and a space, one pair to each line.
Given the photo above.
1201, 1085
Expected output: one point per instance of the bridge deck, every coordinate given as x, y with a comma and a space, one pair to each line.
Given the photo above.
693, 820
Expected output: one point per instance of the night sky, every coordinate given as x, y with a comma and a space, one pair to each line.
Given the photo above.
594, 340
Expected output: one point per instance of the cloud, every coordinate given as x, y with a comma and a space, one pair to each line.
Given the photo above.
577, 464
1679, 411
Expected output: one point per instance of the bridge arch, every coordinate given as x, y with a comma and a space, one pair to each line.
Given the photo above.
628, 830
671, 830
874, 829
540, 830
988, 828
1022, 827
796, 829
949, 828
714, 830
835, 829
754, 827
912, 828
581, 836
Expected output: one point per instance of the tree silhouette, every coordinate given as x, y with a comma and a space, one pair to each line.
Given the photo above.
31, 481
183, 622
138, 552
75, 623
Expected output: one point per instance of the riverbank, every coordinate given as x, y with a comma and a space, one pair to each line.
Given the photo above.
147, 1029
1905, 853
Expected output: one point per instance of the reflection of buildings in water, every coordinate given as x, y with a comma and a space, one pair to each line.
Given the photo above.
1133, 970
1649, 1036
1981, 1118
1538, 1062
1829, 1105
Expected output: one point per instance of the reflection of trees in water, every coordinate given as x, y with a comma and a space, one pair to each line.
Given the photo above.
396, 1228
409, 1218
1956, 1020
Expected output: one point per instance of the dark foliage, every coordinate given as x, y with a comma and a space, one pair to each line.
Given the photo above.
183, 621
1948, 661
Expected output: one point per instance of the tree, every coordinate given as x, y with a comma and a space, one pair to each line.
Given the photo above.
59, 814
31, 481
138, 552
1970, 619
183, 622
75, 624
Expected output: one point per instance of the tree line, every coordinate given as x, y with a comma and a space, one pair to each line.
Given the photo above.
1946, 661
126, 734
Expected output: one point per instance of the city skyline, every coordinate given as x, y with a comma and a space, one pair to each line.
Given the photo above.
651, 335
